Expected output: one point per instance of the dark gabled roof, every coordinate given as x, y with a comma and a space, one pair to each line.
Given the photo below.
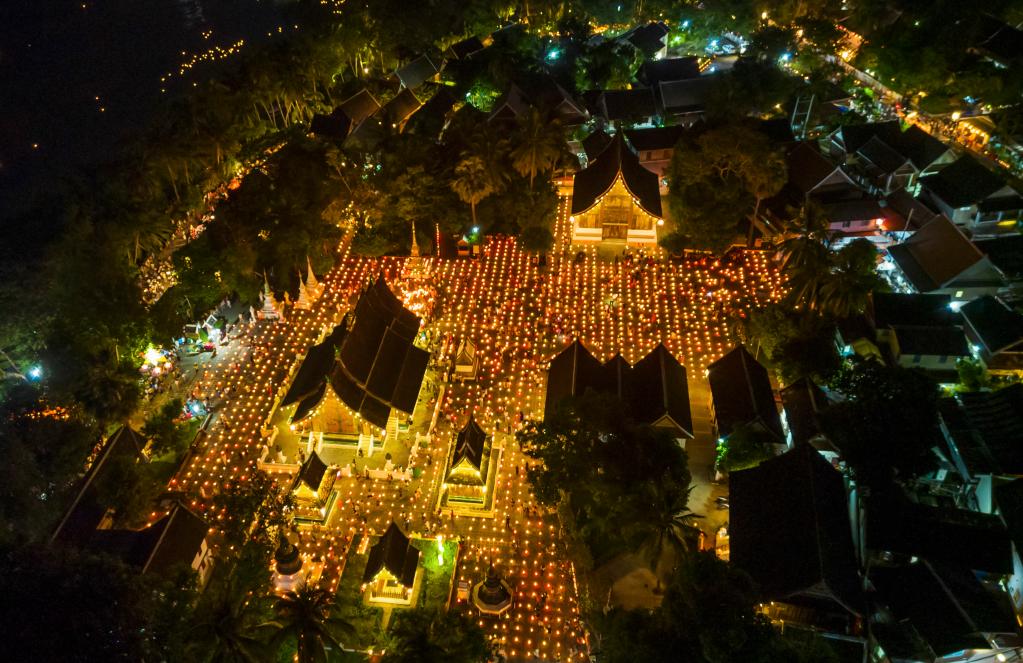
987, 427
319, 360
599, 176
432, 117
546, 93
895, 524
470, 444
803, 402
417, 72
378, 367
636, 104
686, 96
807, 167
996, 325
312, 471
935, 255
933, 341
86, 511
394, 552
897, 309
921, 148
1006, 252
855, 136
656, 387
171, 541
311, 401
863, 209
335, 126
652, 72
467, 47
510, 106
742, 393
904, 212
882, 157
595, 142
963, 183
655, 138
1004, 43
778, 130
648, 38
790, 530
653, 391
944, 605
359, 106
401, 107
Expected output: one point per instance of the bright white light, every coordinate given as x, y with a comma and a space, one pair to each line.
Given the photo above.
35, 372
153, 355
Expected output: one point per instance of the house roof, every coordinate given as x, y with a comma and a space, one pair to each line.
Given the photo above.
858, 210
921, 148
790, 530
401, 107
994, 324
655, 138
86, 511
1004, 42
963, 183
652, 72
172, 540
855, 136
470, 444
335, 126
932, 341
881, 156
891, 309
685, 96
777, 130
987, 428
945, 606
417, 72
359, 106
432, 116
648, 38
595, 142
394, 552
742, 393
935, 255
904, 212
1009, 498
653, 389
803, 402
599, 176
1006, 252
808, 168
895, 524
511, 105
635, 104
312, 471
467, 47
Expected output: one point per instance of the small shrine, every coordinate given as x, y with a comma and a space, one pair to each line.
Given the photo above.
314, 489
393, 574
468, 484
271, 308
288, 575
494, 595
467, 361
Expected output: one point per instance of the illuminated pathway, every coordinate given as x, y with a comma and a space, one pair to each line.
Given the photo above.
519, 317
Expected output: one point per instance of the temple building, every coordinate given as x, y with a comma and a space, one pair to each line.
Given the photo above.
615, 199
468, 486
393, 574
361, 383
467, 361
654, 390
313, 489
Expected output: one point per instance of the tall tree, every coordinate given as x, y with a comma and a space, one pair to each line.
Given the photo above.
537, 145
474, 180
230, 627
307, 618
436, 636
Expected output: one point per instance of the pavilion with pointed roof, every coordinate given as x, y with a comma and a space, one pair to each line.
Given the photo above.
361, 378
393, 573
615, 199
654, 390
469, 477
313, 489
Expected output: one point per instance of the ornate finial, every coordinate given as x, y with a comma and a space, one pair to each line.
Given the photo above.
415, 243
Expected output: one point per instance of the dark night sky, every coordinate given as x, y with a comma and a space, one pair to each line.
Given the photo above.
57, 56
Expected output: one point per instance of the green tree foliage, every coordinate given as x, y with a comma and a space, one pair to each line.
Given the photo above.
166, 430
102, 609
799, 344
888, 423
230, 626
436, 636
746, 447
593, 459
306, 619
718, 177
973, 375
537, 146
707, 616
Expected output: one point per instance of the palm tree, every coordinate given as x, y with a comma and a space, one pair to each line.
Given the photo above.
474, 180
539, 144
853, 277
663, 521
807, 258
229, 629
434, 636
306, 616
